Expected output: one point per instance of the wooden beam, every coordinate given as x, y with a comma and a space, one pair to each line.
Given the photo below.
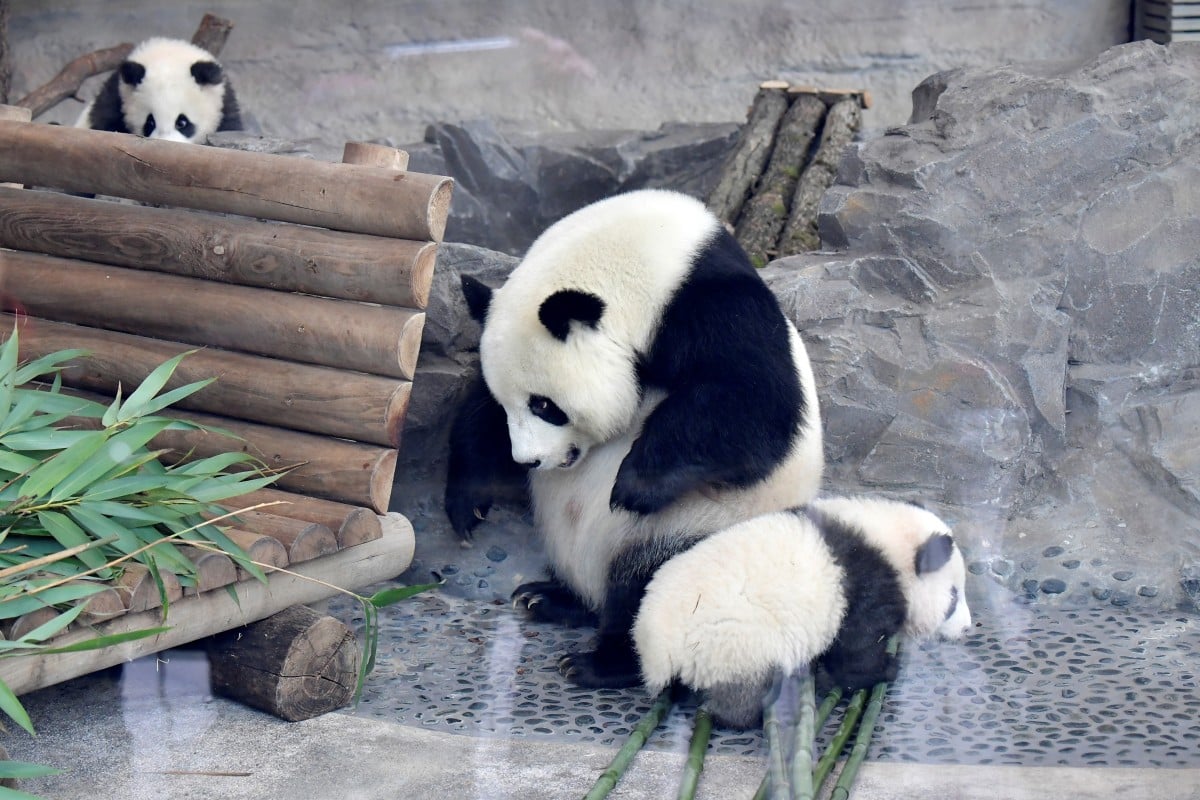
302, 540
749, 156
380, 340
272, 255
71, 77
344, 197
196, 617
315, 399
212, 33
334, 469
352, 525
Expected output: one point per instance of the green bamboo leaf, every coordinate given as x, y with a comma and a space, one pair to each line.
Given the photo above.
8, 365
23, 770
16, 794
13, 607
114, 453
174, 396
52, 402
47, 629
130, 515
44, 439
15, 462
51, 362
214, 491
56, 469
11, 706
164, 601
126, 486
109, 417
68, 534
387, 597
104, 641
213, 464
101, 527
150, 386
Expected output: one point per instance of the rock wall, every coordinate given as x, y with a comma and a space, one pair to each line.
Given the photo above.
1009, 325
375, 69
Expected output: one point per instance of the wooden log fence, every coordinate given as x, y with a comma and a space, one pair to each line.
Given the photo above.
785, 158
299, 285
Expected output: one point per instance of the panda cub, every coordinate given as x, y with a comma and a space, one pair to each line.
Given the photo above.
165, 89
827, 584
639, 368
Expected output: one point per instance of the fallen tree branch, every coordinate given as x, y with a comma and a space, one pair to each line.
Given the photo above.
212, 33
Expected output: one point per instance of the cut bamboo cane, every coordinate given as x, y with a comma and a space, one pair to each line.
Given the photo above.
344, 197
866, 730
802, 743
701, 731
272, 255
296, 664
352, 525
778, 786
303, 541
196, 617
637, 739
800, 233
314, 330
745, 163
259, 548
766, 212
315, 399
138, 590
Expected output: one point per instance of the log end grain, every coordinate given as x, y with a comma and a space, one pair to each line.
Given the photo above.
139, 592
422, 274
374, 155
383, 474
296, 665
360, 525
409, 345
439, 208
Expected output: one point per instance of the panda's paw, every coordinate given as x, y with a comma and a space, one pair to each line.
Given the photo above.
466, 510
598, 669
550, 601
637, 491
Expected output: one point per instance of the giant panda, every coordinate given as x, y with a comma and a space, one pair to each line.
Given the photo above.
165, 89
640, 369
825, 586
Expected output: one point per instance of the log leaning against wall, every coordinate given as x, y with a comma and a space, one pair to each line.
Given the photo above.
300, 285
784, 160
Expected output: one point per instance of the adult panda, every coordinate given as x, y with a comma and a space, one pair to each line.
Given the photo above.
165, 89
827, 585
638, 366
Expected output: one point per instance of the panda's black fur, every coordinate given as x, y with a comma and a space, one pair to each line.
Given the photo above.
656, 384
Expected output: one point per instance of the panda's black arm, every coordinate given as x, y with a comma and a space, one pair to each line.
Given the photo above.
734, 403
480, 461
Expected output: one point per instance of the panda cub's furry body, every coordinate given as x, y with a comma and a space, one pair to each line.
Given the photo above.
826, 586
641, 369
165, 89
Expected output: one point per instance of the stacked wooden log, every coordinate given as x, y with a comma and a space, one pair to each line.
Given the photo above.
301, 287
784, 160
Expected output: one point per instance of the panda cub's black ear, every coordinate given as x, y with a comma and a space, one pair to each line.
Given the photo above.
479, 297
934, 553
132, 72
207, 73
562, 308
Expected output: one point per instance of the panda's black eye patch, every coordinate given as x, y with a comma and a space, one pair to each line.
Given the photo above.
149, 126
546, 410
953, 602
185, 126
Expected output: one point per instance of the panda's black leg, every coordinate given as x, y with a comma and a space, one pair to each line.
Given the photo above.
552, 601
613, 662
480, 463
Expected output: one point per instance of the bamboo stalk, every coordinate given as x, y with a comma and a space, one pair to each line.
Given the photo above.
250, 252
849, 718
778, 786
841, 790
802, 743
345, 197
832, 698
608, 779
701, 732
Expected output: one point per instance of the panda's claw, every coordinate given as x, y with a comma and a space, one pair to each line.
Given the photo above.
478, 514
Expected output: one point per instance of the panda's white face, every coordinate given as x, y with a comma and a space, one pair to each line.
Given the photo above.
562, 337
920, 546
172, 90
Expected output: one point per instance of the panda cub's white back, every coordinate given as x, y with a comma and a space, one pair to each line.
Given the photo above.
165, 89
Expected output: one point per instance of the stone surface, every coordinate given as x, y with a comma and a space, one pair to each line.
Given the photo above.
1008, 327
374, 68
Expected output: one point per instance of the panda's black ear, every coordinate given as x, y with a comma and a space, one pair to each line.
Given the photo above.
207, 73
934, 553
132, 72
479, 297
562, 308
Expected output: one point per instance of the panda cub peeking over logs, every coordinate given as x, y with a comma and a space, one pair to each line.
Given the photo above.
165, 89
825, 586
640, 370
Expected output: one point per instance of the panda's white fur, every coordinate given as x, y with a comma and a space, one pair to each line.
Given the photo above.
770, 595
165, 89
636, 315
